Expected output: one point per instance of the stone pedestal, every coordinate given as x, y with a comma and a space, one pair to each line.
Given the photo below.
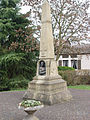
49, 90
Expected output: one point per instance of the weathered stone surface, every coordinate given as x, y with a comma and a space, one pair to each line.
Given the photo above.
50, 98
51, 67
47, 86
49, 90
30, 111
46, 40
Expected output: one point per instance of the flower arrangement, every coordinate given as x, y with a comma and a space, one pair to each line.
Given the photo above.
29, 103
30, 107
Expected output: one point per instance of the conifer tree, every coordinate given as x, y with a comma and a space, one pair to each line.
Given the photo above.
11, 20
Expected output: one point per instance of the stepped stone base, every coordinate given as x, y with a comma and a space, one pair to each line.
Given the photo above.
49, 90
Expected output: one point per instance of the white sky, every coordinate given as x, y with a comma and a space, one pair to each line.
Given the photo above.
25, 9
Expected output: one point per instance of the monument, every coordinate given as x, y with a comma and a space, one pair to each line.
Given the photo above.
47, 86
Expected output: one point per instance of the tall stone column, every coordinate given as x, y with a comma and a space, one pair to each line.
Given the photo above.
47, 86
46, 40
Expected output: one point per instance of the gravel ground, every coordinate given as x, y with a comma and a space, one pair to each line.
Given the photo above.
76, 109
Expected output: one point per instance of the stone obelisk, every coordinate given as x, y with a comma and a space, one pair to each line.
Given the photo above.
47, 86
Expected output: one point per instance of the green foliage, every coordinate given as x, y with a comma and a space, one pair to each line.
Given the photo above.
3, 51
18, 82
30, 103
4, 82
18, 65
65, 68
73, 78
82, 87
29, 65
9, 3
11, 63
10, 21
19, 69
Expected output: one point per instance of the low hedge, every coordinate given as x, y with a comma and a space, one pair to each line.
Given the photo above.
73, 78
65, 68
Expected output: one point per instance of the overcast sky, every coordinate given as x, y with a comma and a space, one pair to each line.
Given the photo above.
25, 9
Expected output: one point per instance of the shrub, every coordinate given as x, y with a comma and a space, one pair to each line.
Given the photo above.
18, 82
11, 63
29, 66
18, 63
73, 78
65, 68
4, 82
19, 69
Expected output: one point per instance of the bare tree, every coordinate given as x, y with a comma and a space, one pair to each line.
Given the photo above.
70, 20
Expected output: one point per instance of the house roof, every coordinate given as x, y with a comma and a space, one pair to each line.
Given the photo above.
76, 49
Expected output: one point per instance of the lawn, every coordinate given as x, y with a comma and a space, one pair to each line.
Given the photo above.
15, 90
83, 87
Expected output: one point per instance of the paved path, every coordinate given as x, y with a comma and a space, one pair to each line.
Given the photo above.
76, 109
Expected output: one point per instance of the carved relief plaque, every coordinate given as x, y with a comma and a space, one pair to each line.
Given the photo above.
42, 68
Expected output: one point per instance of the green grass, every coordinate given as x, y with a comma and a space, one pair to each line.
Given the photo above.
18, 90
82, 87
14, 90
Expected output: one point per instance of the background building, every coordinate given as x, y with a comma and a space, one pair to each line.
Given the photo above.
77, 57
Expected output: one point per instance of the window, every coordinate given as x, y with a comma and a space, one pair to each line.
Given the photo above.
65, 62
74, 64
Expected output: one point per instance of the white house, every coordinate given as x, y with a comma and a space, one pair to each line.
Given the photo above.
79, 58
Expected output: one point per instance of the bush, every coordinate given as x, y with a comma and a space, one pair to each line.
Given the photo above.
4, 82
73, 78
18, 69
29, 66
18, 82
65, 68
18, 63
11, 63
